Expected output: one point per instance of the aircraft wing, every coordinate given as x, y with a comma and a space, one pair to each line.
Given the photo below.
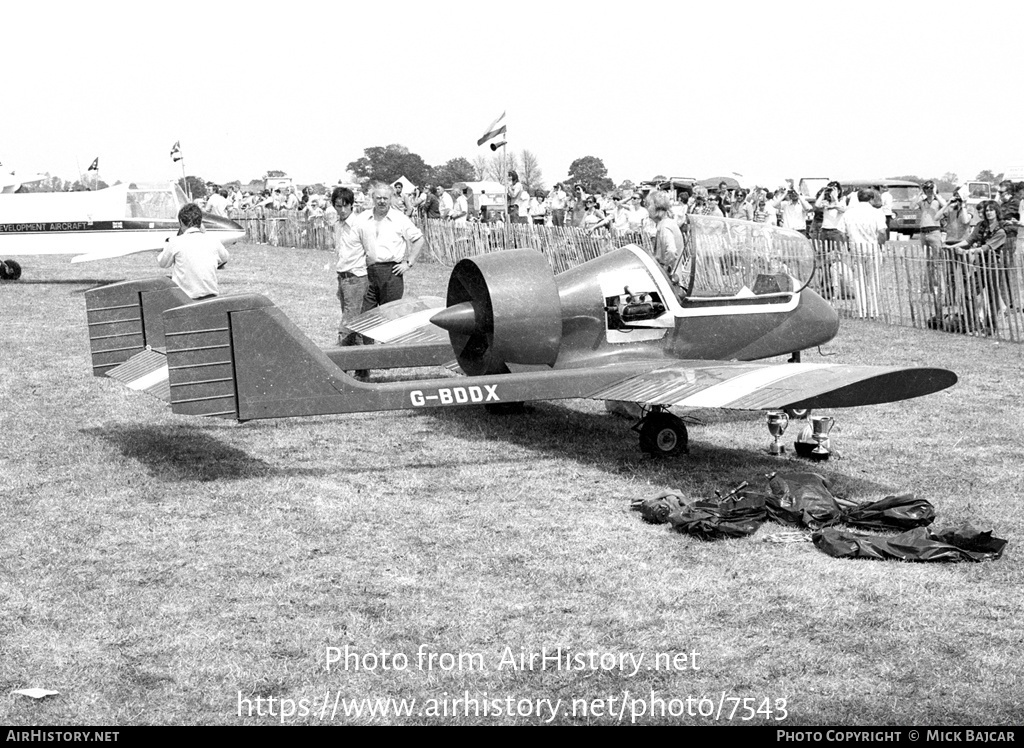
154, 245
402, 321
765, 386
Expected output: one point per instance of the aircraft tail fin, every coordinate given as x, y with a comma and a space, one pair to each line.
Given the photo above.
241, 357
125, 319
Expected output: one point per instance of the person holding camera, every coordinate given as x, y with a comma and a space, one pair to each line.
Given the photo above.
981, 251
831, 237
793, 210
929, 203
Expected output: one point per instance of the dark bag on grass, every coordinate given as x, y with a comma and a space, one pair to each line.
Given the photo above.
964, 543
735, 515
802, 500
900, 512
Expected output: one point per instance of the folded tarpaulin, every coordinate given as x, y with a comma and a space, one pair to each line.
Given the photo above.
802, 500
733, 516
964, 543
895, 512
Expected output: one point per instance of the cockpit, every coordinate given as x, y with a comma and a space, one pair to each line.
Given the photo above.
160, 200
725, 258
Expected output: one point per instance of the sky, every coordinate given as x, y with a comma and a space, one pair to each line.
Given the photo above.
765, 90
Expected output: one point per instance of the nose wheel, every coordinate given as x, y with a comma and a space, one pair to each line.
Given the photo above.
662, 434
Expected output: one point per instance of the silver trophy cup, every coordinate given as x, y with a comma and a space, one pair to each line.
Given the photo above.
820, 428
777, 422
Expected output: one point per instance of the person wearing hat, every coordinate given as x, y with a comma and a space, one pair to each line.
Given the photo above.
929, 206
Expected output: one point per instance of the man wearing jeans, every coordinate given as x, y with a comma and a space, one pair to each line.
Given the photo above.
351, 267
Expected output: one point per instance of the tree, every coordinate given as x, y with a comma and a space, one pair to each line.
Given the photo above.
194, 186
388, 163
590, 172
530, 174
988, 176
454, 170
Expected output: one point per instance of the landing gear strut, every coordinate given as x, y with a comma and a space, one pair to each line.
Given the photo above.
662, 434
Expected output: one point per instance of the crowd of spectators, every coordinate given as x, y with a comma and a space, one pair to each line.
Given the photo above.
848, 225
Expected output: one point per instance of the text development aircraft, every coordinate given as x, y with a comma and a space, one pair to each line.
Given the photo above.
618, 327
96, 225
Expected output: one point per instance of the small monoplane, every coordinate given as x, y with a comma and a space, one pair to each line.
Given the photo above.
620, 327
96, 224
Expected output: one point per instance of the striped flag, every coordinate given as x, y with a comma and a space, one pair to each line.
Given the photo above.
176, 151
495, 129
95, 164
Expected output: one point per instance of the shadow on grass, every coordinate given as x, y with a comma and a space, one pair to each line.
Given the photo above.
180, 453
90, 282
605, 441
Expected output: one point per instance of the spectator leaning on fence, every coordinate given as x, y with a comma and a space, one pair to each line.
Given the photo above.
981, 251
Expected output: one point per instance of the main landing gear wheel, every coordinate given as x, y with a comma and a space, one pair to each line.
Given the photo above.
663, 434
9, 270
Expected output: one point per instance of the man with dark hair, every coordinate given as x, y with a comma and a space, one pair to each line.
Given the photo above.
193, 256
351, 266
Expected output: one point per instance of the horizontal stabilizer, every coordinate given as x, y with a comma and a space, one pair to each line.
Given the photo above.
146, 372
125, 318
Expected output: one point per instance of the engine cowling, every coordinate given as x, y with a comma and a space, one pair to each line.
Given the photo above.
503, 308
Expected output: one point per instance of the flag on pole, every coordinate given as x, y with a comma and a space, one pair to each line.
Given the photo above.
176, 151
495, 129
95, 166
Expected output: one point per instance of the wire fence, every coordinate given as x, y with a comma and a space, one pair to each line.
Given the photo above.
899, 283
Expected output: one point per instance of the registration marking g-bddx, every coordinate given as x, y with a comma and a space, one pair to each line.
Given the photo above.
456, 395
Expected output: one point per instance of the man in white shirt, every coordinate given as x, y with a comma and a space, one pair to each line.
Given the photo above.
460, 213
351, 266
392, 244
447, 204
557, 201
217, 204
865, 232
193, 256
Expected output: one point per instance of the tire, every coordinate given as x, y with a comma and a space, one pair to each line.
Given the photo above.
9, 270
663, 435
799, 414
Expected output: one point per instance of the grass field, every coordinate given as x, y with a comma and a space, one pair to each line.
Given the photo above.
156, 569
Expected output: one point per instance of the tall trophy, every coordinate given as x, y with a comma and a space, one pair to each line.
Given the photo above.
778, 420
820, 428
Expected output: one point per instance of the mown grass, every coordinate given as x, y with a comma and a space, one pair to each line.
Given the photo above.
154, 568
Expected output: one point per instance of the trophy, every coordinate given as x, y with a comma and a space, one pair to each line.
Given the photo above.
777, 422
820, 428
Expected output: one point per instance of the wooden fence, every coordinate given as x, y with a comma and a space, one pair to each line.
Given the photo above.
896, 283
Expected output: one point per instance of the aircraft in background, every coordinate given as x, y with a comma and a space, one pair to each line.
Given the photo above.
10, 181
620, 327
96, 225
